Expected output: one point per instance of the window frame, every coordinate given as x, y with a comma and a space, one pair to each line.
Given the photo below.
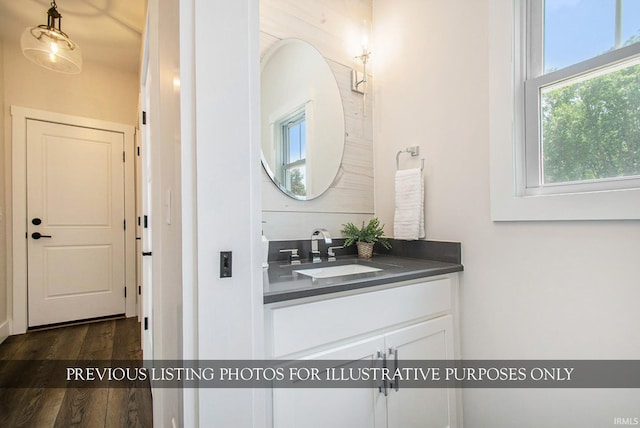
285, 129
287, 165
534, 80
507, 47
278, 122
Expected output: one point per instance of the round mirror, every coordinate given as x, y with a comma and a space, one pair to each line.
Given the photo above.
302, 120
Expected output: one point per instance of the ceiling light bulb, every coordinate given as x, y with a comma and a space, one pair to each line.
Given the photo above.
53, 52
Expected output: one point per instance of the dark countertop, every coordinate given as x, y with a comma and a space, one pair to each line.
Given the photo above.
281, 283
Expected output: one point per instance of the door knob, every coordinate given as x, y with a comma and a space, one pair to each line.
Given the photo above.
36, 221
38, 235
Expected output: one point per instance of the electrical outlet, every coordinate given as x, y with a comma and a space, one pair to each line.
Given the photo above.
225, 264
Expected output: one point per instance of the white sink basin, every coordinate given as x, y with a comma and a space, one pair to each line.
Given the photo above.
331, 271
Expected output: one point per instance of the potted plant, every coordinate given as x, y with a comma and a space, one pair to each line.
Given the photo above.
365, 237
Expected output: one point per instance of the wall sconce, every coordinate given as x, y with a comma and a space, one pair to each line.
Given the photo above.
359, 80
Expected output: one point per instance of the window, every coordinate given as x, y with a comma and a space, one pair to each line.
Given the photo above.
580, 119
292, 165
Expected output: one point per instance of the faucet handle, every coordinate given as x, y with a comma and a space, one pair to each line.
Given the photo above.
294, 258
330, 252
331, 256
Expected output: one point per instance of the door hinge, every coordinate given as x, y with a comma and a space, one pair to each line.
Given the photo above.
138, 150
123, 156
124, 224
139, 290
144, 117
146, 323
125, 291
145, 221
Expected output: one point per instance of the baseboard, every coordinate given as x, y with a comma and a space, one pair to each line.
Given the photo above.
4, 330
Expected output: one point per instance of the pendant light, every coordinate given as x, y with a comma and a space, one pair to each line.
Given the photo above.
49, 47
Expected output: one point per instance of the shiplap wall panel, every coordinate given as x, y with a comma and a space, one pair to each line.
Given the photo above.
334, 28
296, 225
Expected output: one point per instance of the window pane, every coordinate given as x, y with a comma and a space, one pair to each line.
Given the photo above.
576, 30
294, 143
294, 140
630, 21
591, 126
295, 180
303, 140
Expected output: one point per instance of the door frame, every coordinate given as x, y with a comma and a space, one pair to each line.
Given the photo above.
18, 253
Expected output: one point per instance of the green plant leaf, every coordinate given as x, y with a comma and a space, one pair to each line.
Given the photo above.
373, 232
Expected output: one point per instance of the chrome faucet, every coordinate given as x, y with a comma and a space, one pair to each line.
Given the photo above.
315, 253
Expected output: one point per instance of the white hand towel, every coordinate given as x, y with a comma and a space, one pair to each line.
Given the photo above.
408, 222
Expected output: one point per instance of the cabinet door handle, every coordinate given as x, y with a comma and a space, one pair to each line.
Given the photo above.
382, 362
396, 383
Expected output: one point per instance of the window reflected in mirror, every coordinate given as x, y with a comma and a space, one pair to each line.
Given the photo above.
292, 163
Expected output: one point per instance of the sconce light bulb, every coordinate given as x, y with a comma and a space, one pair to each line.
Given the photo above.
365, 36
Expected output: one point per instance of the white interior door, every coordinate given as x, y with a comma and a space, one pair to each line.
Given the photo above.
75, 230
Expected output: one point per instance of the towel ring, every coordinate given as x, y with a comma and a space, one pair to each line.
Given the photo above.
413, 151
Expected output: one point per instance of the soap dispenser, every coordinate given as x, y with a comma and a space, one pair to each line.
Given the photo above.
265, 250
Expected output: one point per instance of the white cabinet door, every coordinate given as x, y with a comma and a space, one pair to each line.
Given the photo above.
422, 407
335, 408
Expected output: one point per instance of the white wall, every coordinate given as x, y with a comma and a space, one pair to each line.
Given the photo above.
166, 214
98, 92
220, 119
565, 290
335, 30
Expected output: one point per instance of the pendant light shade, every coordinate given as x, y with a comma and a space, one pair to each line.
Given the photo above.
51, 48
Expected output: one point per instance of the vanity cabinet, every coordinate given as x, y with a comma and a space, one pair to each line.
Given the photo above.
413, 320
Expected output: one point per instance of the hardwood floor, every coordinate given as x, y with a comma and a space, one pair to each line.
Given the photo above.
75, 407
